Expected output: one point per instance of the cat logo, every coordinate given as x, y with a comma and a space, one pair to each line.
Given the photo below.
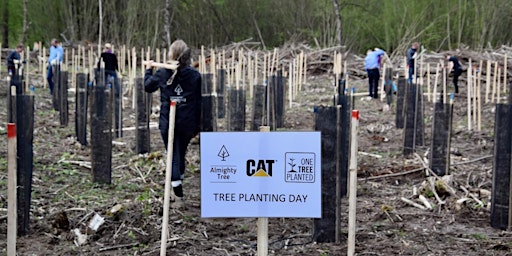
259, 168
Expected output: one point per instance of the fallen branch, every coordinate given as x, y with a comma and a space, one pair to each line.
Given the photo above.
472, 161
369, 154
472, 196
115, 247
448, 187
407, 201
394, 174
433, 189
424, 200
85, 164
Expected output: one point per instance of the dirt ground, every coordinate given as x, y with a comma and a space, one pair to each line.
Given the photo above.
64, 198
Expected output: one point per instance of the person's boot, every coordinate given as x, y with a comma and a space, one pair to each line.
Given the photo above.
178, 203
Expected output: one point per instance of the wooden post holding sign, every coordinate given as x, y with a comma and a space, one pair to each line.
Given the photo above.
352, 197
261, 175
263, 222
168, 173
11, 188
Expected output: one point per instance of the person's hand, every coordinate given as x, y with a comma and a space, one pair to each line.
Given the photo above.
377, 49
16, 61
149, 64
174, 65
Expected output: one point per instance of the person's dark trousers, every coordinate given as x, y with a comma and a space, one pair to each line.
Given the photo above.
456, 74
411, 72
179, 150
373, 80
112, 75
49, 77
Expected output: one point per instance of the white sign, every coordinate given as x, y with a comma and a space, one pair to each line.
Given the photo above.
261, 174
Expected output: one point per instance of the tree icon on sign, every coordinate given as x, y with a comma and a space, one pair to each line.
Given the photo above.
223, 153
292, 164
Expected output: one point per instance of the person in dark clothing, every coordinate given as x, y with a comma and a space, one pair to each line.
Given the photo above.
111, 67
181, 84
411, 56
14, 58
455, 67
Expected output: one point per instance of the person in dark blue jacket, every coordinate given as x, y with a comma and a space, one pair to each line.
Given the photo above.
411, 56
455, 67
13, 58
181, 83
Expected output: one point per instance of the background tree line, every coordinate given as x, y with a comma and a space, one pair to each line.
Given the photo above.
358, 24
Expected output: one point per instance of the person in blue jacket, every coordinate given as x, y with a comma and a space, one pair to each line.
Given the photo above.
411, 56
182, 84
55, 58
372, 66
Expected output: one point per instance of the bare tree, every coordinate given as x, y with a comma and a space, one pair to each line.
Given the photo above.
167, 23
101, 25
5, 25
25, 23
338, 21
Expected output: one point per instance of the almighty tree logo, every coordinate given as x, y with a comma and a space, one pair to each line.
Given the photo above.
223, 153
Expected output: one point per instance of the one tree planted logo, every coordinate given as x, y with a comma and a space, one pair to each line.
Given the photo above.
300, 167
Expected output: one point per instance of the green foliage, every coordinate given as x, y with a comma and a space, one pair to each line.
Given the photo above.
389, 24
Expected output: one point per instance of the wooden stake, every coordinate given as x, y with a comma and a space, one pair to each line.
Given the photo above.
487, 81
470, 71
498, 85
428, 82
444, 83
352, 197
27, 73
290, 84
381, 90
44, 70
301, 67
305, 69
12, 217
168, 174
262, 244
495, 76
505, 73
479, 98
157, 55
134, 70
164, 55
475, 93
434, 97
